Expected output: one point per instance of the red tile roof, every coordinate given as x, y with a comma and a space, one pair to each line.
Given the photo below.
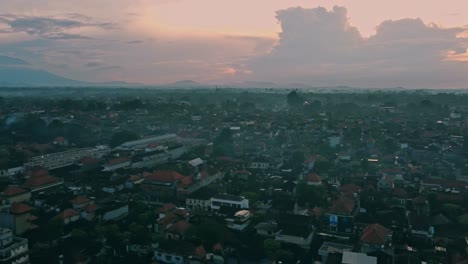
375, 234
39, 171
344, 205
32, 218
117, 161
20, 208
90, 208
80, 200
39, 181
164, 176
166, 208
181, 227
13, 190
68, 213
200, 251
218, 247
314, 177
88, 161
350, 188
186, 181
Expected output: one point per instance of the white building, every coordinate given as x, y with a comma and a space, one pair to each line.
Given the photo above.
13, 249
226, 200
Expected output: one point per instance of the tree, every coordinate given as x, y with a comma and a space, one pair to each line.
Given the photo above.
294, 99
223, 144
311, 195
271, 248
122, 137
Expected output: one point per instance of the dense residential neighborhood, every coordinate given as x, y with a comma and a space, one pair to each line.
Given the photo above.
233, 176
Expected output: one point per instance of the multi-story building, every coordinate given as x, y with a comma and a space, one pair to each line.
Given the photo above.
226, 200
13, 250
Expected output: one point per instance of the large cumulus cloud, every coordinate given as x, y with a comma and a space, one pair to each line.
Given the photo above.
321, 47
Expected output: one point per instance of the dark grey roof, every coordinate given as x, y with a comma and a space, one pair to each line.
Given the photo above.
229, 197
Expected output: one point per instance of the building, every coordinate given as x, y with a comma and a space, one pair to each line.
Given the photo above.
376, 237
226, 200
117, 163
200, 199
18, 218
295, 229
240, 221
357, 258
66, 158
13, 250
15, 194
161, 185
42, 181
313, 179
339, 219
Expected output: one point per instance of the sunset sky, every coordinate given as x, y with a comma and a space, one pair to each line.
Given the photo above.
365, 43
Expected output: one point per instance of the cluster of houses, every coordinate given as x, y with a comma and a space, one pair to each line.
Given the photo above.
331, 189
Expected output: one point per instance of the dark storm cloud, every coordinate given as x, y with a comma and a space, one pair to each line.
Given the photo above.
49, 27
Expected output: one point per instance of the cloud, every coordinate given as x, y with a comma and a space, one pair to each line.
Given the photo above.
321, 47
51, 27
135, 42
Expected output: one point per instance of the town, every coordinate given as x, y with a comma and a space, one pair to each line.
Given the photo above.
108, 175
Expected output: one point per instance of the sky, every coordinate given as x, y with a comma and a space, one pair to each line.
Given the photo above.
362, 43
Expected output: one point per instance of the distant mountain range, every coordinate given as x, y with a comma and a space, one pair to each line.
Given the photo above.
16, 72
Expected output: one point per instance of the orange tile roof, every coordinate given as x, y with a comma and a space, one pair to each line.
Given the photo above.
38, 181
344, 205
200, 251
67, 213
314, 177
164, 176
90, 208
80, 200
350, 188
167, 208
20, 208
117, 161
13, 190
375, 234
181, 227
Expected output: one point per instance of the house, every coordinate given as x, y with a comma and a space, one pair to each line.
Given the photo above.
117, 163
226, 200
376, 237
113, 211
295, 229
179, 252
357, 258
18, 218
89, 212
339, 219
69, 216
200, 199
15, 194
166, 209
167, 220
133, 181
329, 249
161, 185
60, 141
309, 163
42, 182
313, 179
268, 229
80, 202
13, 250
177, 230
239, 221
